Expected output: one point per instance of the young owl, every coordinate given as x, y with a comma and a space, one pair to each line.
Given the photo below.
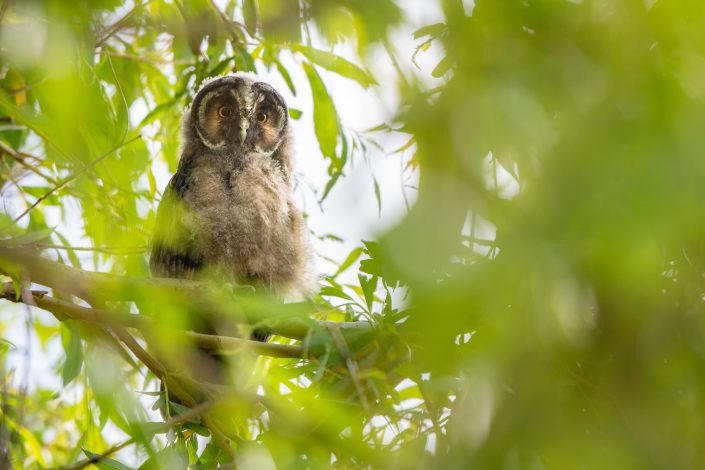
228, 212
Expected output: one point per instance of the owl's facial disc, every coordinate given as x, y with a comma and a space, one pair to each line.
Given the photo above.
216, 111
268, 119
237, 114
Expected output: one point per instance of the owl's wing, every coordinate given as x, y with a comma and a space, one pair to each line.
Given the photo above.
174, 251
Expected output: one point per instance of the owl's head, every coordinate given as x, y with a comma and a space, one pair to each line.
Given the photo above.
239, 114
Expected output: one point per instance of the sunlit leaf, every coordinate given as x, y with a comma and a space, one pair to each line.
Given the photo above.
28, 238
351, 258
430, 30
442, 67
336, 64
325, 119
105, 463
249, 11
74, 355
295, 113
378, 196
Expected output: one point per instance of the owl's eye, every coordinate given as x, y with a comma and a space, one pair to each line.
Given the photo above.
262, 118
225, 111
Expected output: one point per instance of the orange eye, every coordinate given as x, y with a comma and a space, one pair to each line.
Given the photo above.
225, 111
262, 118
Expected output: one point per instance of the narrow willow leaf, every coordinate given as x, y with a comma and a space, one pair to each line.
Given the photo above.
408, 144
74, 357
336, 64
28, 238
329, 186
430, 30
378, 196
158, 110
106, 463
286, 76
249, 11
221, 66
243, 59
32, 446
152, 183
6, 345
173, 456
73, 258
351, 258
331, 291
442, 67
325, 119
368, 285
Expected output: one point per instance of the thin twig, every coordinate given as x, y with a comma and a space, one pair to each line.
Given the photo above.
111, 30
395, 63
70, 179
128, 250
351, 365
168, 424
97, 458
148, 60
20, 159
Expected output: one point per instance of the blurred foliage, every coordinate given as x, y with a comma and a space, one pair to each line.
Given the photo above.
553, 259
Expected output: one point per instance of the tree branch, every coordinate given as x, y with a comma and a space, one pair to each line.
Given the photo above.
20, 159
111, 319
289, 321
119, 24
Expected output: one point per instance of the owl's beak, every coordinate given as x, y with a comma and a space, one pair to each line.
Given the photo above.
244, 126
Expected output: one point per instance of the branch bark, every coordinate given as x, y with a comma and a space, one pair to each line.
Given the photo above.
63, 310
288, 320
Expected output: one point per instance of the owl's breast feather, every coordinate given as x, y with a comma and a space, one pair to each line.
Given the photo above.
246, 219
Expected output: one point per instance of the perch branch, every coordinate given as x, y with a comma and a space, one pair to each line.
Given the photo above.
65, 310
289, 320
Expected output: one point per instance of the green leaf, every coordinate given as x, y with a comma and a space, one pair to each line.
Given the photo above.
243, 59
331, 182
331, 291
220, 67
173, 456
6, 345
31, 444
249, 12
106, 463
336, 64
368, 285
159, 109
28, 238
430, 30
443, 66
295, 113
286, 76
325, 119
74, 355
351, 258
378, 196
73, 258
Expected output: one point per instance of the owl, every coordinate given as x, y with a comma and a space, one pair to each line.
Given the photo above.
228, 212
